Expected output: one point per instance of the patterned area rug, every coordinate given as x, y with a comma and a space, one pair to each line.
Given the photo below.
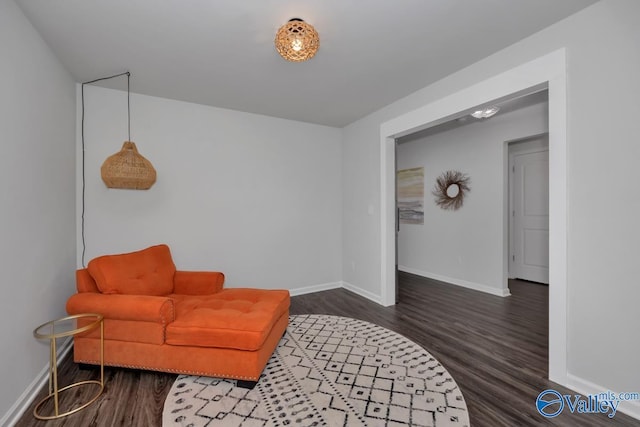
328, 371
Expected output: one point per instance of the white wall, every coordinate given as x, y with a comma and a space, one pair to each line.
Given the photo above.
37, 199
256, 197
603, 62
287, 232
465, 247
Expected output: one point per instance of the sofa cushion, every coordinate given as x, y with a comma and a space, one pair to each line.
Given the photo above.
237, 318
146, 272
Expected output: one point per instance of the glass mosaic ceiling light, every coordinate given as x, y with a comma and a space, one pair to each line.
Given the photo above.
297, 41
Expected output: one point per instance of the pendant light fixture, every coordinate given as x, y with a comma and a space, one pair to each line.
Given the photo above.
297, 41
128, 169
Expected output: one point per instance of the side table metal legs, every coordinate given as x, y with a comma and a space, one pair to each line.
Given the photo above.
54, 391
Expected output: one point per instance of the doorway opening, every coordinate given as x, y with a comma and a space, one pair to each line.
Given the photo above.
463, 245
547, 72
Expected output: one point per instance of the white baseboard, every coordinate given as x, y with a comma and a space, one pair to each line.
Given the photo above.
336, 285
315, 288
458, 282
584, 387
366, 294
21, 405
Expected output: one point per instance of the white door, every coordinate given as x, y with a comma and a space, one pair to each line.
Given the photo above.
530, 213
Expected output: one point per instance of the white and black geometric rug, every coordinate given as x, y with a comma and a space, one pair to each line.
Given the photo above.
328, 371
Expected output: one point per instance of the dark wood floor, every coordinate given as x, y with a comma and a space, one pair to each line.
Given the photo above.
495, 348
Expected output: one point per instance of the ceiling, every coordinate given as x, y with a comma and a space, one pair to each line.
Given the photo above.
221, 52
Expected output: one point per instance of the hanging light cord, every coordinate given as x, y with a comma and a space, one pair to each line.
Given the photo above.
128, 74
129, 105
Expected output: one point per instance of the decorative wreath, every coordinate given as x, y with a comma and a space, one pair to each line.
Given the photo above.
445, 189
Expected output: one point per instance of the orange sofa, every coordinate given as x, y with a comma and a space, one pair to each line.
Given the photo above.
163, 319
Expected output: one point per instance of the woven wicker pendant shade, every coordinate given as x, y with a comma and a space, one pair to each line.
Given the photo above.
128, 169
297, 41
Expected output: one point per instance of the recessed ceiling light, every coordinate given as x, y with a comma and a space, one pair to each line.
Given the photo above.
485, 113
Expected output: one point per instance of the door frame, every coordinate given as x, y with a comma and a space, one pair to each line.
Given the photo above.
546, 72
530, 147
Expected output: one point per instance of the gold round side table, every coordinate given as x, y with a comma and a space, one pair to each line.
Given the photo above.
60, 328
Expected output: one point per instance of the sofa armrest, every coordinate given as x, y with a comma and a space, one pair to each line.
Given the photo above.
123, 307
197, 282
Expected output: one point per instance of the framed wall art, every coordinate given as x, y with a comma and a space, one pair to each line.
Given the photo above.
410, 196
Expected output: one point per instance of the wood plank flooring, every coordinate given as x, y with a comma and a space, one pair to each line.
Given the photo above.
495, 348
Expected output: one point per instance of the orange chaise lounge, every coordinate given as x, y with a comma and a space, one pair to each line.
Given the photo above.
163, 319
